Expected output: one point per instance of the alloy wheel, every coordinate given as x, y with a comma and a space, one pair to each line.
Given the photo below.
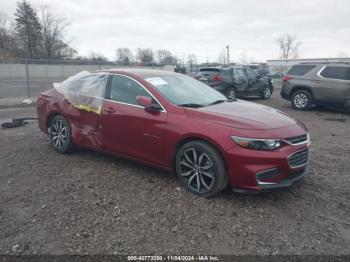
58, 134
300, 100
267, 92
197, 169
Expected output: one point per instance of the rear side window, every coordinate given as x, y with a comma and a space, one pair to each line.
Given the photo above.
85, 84
227, 72
336, 72
300, 70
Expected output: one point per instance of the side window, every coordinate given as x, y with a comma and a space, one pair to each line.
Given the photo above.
227, 73
85, 84
348, 74
300, 70
125, 90
336, 72
251, 74
239, 73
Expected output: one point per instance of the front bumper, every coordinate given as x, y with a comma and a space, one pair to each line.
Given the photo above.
252, 170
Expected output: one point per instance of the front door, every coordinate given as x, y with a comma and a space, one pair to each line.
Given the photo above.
127, 127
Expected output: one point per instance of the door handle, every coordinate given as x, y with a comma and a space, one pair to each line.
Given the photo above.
316, 81
109, 110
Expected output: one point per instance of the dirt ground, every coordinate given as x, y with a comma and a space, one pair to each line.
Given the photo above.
90, 203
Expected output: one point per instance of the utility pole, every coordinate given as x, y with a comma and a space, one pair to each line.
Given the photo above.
228, 54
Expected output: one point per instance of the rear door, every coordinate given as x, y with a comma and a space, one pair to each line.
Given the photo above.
240, 79
82, 106
333, 84
127, 127
254, 83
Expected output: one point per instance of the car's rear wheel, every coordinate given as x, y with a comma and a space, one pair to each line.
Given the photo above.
60, 135
201, 168
302, 100
230, 93
266, 92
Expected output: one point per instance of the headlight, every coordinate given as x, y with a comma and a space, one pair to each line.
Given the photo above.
257, 144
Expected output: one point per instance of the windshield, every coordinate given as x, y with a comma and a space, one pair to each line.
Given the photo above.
184, 90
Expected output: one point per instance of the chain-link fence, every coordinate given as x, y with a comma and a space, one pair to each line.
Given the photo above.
22, 78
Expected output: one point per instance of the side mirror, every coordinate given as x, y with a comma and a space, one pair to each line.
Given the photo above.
147, 103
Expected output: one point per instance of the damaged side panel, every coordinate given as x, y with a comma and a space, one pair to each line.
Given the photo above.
83, 98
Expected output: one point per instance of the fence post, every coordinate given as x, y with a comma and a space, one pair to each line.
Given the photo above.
27, 78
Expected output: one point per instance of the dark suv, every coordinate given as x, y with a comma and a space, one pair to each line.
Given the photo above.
236, 81
324, 84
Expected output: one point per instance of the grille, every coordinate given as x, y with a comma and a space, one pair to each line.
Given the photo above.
297, 139
299, 158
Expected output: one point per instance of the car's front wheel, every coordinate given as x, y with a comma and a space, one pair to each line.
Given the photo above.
302, 100
201, 168
60, 134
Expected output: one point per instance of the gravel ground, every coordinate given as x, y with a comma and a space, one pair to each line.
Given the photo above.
90, 203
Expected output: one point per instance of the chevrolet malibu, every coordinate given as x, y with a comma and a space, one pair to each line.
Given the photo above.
179, 124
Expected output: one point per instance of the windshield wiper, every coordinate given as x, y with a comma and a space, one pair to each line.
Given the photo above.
221, 101
191, 105
217, 102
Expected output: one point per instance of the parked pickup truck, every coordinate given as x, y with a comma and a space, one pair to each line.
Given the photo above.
236, 81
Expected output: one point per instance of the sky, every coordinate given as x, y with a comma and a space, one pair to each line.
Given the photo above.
203, 27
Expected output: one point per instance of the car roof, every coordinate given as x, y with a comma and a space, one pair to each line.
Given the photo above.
325, 63
143, 72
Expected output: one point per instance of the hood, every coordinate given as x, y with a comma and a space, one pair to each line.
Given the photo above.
242, 115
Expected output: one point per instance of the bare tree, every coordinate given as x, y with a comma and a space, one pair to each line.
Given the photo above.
289, 46
8, 45
342, 54
165, 57
144, 55
192, 61
124, 56
52, 28
243, 58
222, 57
97, 57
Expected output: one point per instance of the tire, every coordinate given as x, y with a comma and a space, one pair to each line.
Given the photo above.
302, 100
266, 92
231, 93
60, 135
201, 169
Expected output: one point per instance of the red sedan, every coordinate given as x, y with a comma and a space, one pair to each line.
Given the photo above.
177, 123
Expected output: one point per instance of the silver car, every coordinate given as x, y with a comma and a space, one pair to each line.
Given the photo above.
325, 84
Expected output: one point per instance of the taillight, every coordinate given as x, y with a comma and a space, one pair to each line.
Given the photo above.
287, 78
216, 78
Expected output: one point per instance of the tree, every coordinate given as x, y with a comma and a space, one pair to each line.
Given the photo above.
144, 55
97, 57
342, 54
8, 43
191, 61
243, 58
124, 56
28, 29
53, 27
289, 46
165, 57
222, 57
